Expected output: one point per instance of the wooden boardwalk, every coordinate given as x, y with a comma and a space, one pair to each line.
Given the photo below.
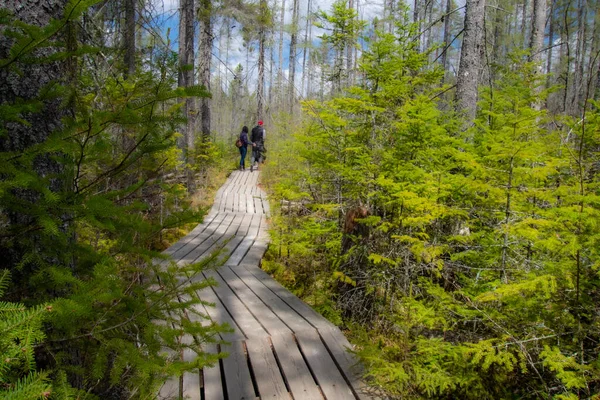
280, 348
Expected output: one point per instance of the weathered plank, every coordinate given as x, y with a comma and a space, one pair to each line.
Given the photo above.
191, 380
238, 311
295, 371
266, 371
212, 379
271, 323
170, 390
326, 373
242, 249
218, 313
196, 241
237, 373
287, 314
298, 305
338, 346
201, 249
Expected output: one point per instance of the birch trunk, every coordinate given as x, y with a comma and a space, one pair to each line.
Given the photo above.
468, 72
293, 44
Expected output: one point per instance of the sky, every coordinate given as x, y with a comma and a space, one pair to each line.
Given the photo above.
238, 52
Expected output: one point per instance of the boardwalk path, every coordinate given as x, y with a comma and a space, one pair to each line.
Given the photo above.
280, 347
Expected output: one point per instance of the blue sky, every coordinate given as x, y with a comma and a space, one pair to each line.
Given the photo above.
237, 52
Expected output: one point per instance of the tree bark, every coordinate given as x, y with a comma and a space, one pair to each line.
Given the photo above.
446, 37
306, 43
524, 22
205, 50
416, 20
261, 61
186, 79
293, 43
19, 137
281, 28
468, 71
129, 38
580, 55
538, 27
349, 51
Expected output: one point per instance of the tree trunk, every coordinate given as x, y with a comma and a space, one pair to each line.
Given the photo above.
129, 38
280, 65
206, 42
349, 50
306, 42
468, 70
550, 43
595, 58
446, 37
293, 43
417, 21
538, 27
27, 85
186, 79
580, 55
524, 23
261, 61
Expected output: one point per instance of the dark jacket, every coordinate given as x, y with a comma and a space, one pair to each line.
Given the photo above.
257, 134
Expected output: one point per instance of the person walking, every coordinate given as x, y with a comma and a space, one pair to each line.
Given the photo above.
244, 148
258, 145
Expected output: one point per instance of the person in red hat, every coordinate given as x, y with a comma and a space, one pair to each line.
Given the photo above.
258, 145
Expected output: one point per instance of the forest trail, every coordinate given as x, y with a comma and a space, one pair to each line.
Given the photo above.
280, 348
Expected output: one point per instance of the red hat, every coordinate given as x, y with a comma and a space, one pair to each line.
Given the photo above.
260, 122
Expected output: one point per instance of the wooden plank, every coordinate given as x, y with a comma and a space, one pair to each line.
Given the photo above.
208, 219
245, 225
219, 314
238, 311
170, 390
199, 251
287, 314
241, 250
199, 239
191, 380
237, 373
229, 204
249, 203
295, 371
338, 346
314, 318
212, 379
257, 204
266, 371
220, 244
253, 303
326, 373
